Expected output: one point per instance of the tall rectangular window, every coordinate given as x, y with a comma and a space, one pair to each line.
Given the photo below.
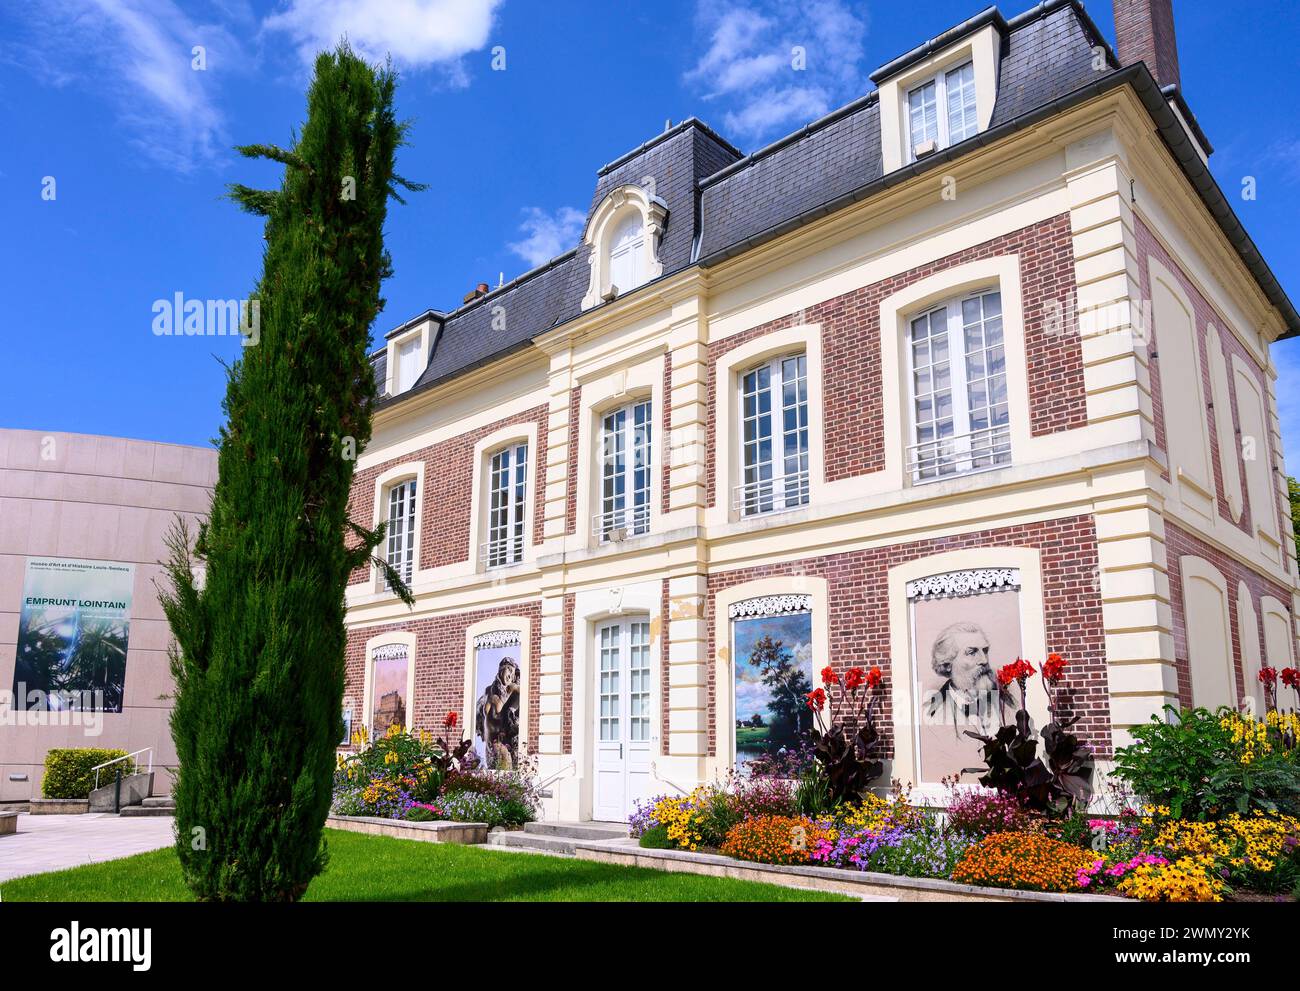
959, 388
408, 364
625, 472
400, 550
507, 507
943, 109
923, 114
774, 424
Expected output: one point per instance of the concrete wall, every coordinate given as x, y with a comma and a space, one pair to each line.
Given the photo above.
97, 498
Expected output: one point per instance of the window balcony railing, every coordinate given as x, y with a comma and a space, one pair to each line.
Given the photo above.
619, 524
961, 454
502, 552
771, 495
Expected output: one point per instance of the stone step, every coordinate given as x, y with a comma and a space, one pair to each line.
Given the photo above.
515, 839
159, 802
135, 811
578, 830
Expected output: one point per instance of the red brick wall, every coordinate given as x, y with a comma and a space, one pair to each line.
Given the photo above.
448, 481
1204, 315
1179, 542
566, 735
852, 397
440, 665
1144, 32
575, 445
859, 612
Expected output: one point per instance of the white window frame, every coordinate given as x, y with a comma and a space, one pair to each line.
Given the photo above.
943, 92
625, 252
400, 542
507, 526
993, 443
393, 476
785, 489
626, 452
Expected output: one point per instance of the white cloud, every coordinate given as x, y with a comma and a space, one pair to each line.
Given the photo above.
548, 234
415, 33
749, 63
137, 54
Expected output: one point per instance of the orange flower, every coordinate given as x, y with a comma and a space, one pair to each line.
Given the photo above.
1029, 861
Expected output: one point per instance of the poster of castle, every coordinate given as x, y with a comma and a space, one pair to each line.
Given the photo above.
73, 627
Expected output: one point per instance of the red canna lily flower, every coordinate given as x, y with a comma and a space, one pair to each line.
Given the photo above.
1053, 667
829, 677
1268, 676
816, 699
854, 678
1291, 677
1018, 671
451, 719
875, 676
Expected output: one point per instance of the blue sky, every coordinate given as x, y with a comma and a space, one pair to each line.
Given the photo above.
102, 96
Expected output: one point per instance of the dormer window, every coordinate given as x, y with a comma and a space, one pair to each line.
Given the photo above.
408, 349
939, 96
942, 111
623, 240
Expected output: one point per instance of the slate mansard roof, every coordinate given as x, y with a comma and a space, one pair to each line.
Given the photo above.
721, 203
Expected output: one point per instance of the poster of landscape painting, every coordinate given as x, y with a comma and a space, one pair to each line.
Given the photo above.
73, 628
496, 707
774, 672
389, 688
960, 641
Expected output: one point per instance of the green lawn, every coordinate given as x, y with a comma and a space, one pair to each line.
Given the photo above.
377, 868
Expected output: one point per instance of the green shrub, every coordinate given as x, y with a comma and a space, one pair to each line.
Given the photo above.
1193, 766
656, 838
69, 774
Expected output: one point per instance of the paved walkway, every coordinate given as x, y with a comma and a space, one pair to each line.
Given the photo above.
52, 843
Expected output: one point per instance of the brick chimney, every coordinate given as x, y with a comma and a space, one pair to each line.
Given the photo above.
1144, 32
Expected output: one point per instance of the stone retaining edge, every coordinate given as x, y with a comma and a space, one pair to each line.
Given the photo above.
913, 889
440, 831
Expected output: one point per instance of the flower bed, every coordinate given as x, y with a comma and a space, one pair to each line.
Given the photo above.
1219, 819
418, 778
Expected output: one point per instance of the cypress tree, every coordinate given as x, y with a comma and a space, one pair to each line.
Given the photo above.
259, 657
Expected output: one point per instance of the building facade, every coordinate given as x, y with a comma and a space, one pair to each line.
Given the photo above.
975, 367
83, 639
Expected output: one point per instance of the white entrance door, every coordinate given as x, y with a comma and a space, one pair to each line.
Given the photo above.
623, 718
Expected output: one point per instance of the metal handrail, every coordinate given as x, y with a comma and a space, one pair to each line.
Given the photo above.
631, 522
571, 766
503, 552
771, 495
944, 457
654, 769
109, 763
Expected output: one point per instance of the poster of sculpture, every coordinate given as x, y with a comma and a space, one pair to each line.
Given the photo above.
959, 643
774, 673
389, 688
496, 706
73, 627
